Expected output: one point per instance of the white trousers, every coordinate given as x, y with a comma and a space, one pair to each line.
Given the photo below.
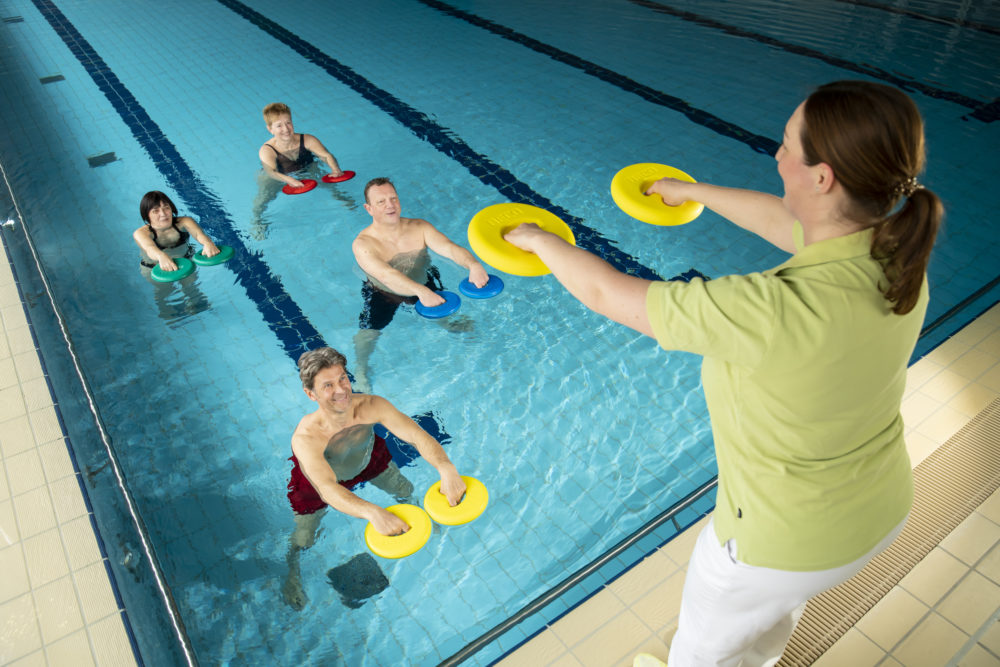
739, 615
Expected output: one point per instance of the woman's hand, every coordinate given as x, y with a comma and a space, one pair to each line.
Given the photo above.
525, 235
167, 264
209, 249
670, 191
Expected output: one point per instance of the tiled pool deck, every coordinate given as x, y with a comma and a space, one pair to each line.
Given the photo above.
57, 606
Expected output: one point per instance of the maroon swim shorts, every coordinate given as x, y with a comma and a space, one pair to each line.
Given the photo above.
305, 499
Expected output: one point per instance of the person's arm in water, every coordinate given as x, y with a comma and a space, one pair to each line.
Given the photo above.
269, 162
143, 238
208, 247
367, 256
594, 282
319, 473
758, 212
445, 247
409, 431
316, 147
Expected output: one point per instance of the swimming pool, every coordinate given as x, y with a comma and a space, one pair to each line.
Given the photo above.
583, 431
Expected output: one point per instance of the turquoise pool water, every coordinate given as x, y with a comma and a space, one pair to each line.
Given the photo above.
583, 431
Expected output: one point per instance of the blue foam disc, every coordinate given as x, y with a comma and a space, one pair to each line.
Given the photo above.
493, 287
450, 305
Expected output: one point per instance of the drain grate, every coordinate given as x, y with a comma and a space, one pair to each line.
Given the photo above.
13, 19
101, 160
53, 78
948, 486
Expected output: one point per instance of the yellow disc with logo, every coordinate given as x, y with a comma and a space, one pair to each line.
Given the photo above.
487, 228
405, 544
628, 189
472, 505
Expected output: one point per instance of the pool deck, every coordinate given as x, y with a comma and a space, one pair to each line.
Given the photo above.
57, 606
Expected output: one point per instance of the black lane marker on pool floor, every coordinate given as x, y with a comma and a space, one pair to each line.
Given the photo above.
282, 315
480, 166
759, 143
867, 70
961, 23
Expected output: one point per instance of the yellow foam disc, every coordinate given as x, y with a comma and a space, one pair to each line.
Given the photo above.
400, 546
473, 503
628, 188
486, 230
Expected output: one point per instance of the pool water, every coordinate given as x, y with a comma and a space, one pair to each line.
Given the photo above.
582, 430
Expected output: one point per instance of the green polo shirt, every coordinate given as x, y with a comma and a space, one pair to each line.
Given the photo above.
804, 369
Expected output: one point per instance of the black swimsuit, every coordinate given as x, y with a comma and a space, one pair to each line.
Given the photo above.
303, 160
182, 239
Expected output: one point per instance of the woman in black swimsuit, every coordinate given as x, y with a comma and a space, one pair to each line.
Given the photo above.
164, 237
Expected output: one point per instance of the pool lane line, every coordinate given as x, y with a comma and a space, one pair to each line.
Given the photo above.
867, 70
281, 314
960, 23
756, 142
481, 167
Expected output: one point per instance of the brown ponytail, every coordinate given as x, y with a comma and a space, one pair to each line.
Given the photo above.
872, 136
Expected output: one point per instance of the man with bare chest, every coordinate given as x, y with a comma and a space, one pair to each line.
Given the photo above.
335, 449
393, 253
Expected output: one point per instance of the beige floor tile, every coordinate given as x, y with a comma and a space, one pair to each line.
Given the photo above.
891, 662
58, 609
891, 618
919, 447
934, 576
991, 507
930, 644
568, 660
975, 332
541, 650
33, 512
24, 472
991, 637
989, 566
852, 649
15, 436
44, 558
14, 580
991, 378
56, 462
973, 399
18, 337
36, 394
587, 618
660, 606
8, 375
973, 363
917, 407
636, 582
27, 364
657, 646
972, 602
979, 657
4, 347
111, 644
95, 593
990, 344
36, 659
679, 549
19, 634
9, 533
943, 386
614, 643
11, 403
942, 424
919, 373
947, 352
45, 425
67, 499
74, 649
972, 538
80, 543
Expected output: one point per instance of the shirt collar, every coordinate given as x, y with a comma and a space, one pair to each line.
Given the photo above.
849, 246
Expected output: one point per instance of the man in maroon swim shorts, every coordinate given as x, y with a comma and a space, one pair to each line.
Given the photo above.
335, 448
